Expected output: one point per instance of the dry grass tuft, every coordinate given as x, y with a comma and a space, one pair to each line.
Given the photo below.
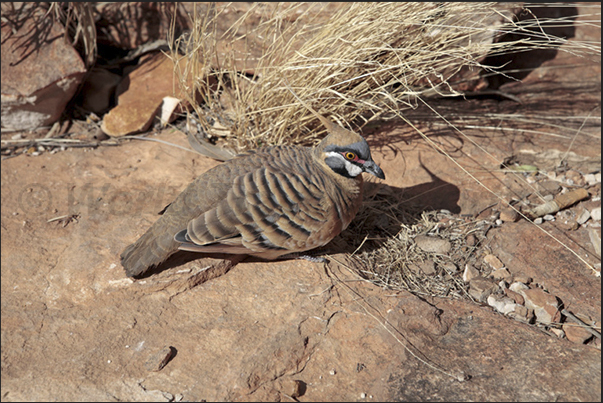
359, 62
78, 20
382, 238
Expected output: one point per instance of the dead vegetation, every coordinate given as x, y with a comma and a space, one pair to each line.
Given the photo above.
362, 62
382, 248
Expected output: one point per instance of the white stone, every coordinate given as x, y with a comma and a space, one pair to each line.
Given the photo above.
592, 179
595, 214
503, 305
584, 216
469, 273
518, 287
558, 332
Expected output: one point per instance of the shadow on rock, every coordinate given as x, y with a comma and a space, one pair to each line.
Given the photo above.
386, 208
516, 68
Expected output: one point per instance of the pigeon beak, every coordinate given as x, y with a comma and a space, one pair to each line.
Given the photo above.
373, 169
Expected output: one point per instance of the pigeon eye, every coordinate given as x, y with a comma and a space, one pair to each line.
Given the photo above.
350, 156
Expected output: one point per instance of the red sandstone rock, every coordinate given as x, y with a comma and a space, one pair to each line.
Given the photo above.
40, 73
545, 305
140, 95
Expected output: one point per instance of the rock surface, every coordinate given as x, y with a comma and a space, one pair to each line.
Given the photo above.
140, 95
40, 73
75, 328
68, 307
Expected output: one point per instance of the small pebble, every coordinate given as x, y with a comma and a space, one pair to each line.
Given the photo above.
595, 214
558, 332
549, 217
509, 215
293, 387
481, 288
517, 297
518, 287
428, 267
493, 262
363, 395
566, 220
522, 278
577, 333
538, 220
471, 240
591, 179
485, 214
450, 267
159, 359
575, 176
522, 314
503, 305
545, 305
502, 274
470, 273
433, 244
583, 217
332, 372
